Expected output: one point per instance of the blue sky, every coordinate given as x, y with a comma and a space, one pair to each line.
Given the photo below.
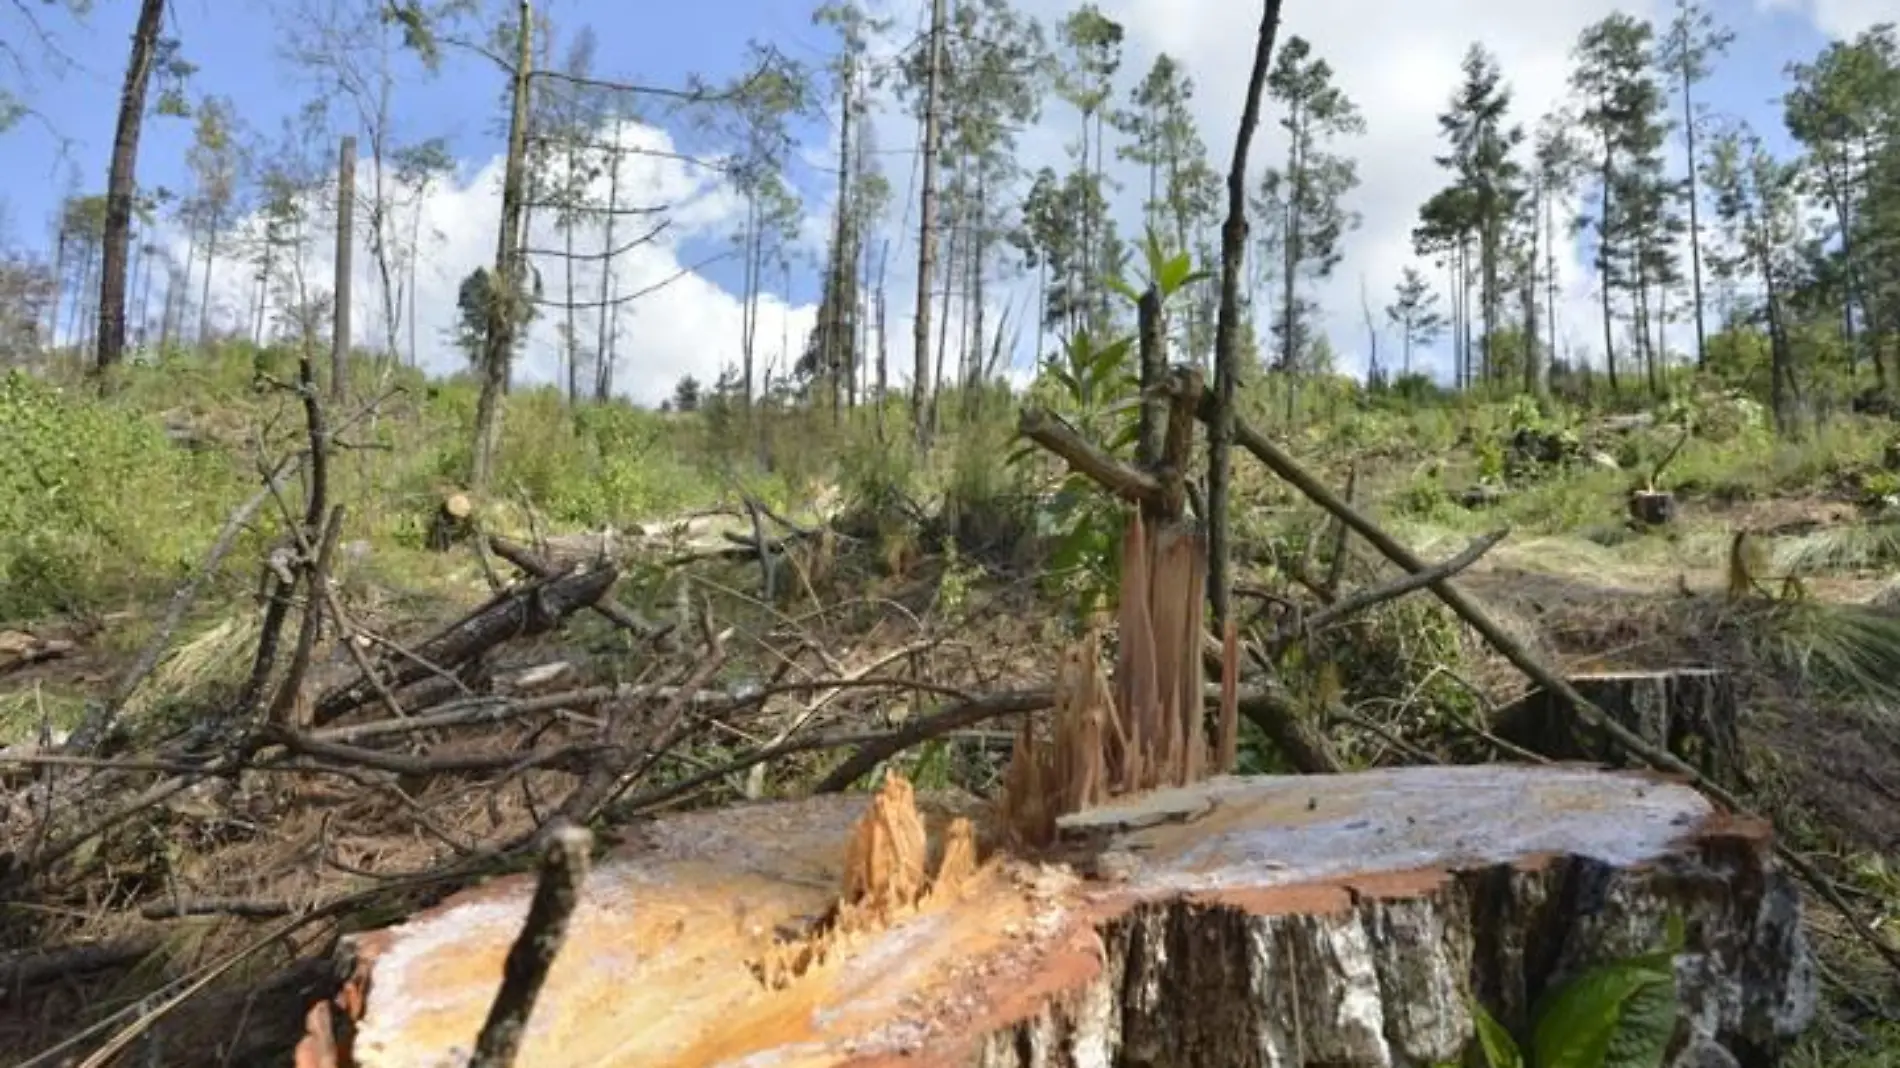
1400, 77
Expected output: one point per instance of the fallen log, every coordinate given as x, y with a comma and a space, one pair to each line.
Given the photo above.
1339, 920
522, 612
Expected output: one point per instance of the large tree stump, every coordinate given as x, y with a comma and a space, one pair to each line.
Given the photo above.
1692, 712
1318, 920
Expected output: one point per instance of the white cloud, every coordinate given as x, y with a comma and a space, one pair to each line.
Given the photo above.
1838, 18
689, 326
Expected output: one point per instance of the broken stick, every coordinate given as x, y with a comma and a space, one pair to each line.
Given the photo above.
563, 870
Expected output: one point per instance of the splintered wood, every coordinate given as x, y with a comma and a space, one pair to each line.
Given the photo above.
884, 879
1286, 920
1146, 729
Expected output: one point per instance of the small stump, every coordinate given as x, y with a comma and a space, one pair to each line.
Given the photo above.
1336, 920
1691, 712
1652, 508
450, 523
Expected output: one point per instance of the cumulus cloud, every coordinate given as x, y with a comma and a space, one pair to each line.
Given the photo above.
688, 324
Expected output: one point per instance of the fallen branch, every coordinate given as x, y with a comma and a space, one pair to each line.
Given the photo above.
1373, 596
876, 749
21, 970
1123, 479
563, 870
524, 612
244, 908
606, 607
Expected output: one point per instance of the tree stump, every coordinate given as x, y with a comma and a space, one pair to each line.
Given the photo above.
1692, 712
1652, 508
449, 524
1318, 920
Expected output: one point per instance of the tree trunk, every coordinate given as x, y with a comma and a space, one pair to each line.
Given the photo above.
832, 339
503, 315
1550, 275
1198, 925
345, 246
1233, 254
1603, 270
1695, 219
927, 233
604, 369
122, 185
59, 288
943, 332
883, 338
204, 300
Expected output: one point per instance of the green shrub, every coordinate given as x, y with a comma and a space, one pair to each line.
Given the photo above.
96, 502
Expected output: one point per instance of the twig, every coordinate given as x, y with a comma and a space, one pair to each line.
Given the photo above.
607, 779
246, 908
563, 871
879, 748
1371, 596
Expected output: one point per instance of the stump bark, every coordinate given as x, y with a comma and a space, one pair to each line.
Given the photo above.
1320, 920
1693, 712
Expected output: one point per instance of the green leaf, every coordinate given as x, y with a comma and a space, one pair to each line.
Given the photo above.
1500, 1049
1174, 274
1582, 1020
1127, 291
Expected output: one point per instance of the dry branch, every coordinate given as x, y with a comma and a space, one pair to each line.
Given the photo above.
1123, 479
98, 724
522, 612
606, 607
563, 871
22, 970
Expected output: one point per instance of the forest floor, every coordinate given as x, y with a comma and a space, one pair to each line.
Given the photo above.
896, 607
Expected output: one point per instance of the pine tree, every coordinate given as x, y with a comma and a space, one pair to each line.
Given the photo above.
1414, 311
1482, 143
1307, 192
1691, 40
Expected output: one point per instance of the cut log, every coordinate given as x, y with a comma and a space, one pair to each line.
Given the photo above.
1319, 920
1691, 711
450, 523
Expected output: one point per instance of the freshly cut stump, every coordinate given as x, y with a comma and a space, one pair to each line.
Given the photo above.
1282, 921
